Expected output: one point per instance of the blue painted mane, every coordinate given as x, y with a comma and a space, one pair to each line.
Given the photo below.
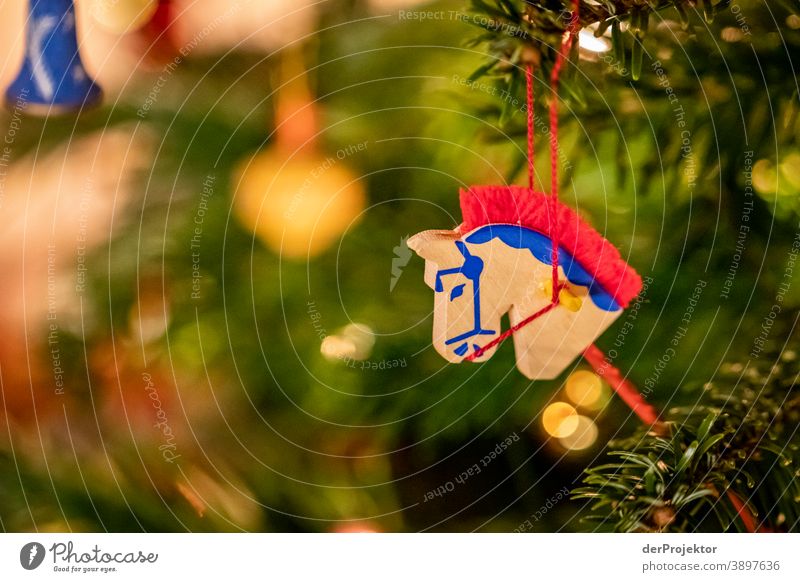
541, 247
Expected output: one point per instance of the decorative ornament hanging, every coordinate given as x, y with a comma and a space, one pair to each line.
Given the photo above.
524, 253
53, 79
297, 200
500, 260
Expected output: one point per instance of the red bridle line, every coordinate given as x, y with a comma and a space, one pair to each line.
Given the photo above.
503, 336
563, 52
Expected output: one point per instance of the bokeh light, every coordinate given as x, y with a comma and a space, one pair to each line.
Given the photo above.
356, 527
353, 342
362, 337
590, 42
584, 388
560, 419
583, 436
122, 17
335, 347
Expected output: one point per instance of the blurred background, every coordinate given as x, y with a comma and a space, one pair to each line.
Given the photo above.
211, 321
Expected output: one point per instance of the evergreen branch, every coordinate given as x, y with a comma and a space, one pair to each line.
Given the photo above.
709, 80
705, 470
521, 32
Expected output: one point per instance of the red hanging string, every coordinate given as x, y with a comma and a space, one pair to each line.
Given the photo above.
529, 91
627, 391
507, 333
743, 511
563, 52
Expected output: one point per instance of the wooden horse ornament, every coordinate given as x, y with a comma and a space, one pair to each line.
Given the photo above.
499, 260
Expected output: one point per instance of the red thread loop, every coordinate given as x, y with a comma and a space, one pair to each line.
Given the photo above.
563, 52
529, 91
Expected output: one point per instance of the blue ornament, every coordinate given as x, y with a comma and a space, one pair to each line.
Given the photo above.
52, 79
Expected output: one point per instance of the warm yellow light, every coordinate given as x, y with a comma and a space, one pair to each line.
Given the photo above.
560, 419
352, 342
362, 337
584, 388
583, 437
335, 347
588, 41
731, 34
356, 528
121, 17
299, 205
765, 177
788, 169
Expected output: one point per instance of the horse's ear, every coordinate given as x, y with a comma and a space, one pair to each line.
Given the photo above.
436, 245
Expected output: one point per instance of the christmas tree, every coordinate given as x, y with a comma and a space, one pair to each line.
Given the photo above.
213, 321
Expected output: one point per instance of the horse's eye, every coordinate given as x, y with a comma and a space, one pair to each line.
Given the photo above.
457, 291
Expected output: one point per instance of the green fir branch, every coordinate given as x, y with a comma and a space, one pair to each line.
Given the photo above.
742, 441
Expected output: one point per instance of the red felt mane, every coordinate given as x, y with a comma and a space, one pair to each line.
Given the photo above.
482, 205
